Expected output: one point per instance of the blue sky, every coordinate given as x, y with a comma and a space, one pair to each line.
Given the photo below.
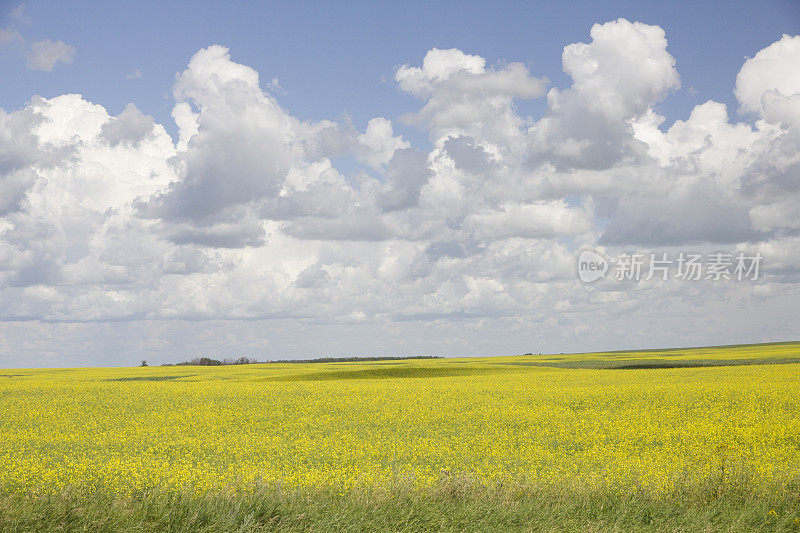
337, 57
421, 179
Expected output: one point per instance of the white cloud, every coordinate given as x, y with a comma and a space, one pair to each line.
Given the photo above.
43, 55
249, 219
771, 70
131, 126
9, 37
379, 143
18, 15
40, 55
437, 67
616, 79
535, 220
463, 97
623, 71
407, 173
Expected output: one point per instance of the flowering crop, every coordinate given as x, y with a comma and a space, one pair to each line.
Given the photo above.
412, 422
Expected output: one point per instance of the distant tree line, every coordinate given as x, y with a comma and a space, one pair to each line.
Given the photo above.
209, 361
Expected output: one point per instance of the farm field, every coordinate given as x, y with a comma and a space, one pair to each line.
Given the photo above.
680, 439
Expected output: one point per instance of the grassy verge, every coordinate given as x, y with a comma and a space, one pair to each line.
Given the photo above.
450, 506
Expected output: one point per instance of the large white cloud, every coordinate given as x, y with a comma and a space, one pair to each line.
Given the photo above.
771, 72
616, 79
463, 97
246, 218
623, 71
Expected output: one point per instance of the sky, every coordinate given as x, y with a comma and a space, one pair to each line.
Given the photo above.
294, 180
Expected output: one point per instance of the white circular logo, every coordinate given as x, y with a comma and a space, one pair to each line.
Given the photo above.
591, 266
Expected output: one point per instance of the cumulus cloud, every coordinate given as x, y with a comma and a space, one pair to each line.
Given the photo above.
222, 235
378, 143
241, 149
623, 71
535, 220
616, 79
248, 215
687, 215
771, 72
464, 98
407, 174
131, 127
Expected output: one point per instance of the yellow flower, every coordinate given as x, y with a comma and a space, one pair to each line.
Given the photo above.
408, 422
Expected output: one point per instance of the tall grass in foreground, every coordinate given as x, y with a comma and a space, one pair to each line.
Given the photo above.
453, 504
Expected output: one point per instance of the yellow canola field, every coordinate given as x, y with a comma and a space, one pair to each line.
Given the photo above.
406, 422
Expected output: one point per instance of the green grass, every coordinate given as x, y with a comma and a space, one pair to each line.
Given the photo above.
453, 505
